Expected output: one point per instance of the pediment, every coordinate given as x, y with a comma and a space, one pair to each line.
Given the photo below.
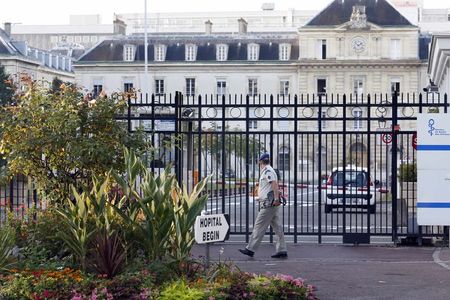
366, 26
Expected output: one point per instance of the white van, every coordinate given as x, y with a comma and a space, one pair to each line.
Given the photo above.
352, 187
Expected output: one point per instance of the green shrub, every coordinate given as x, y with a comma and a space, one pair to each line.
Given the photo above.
62, 139
6, 246
159, 217
179, 290
408, 172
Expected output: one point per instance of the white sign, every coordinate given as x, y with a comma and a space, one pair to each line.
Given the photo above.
210, 228
433, 169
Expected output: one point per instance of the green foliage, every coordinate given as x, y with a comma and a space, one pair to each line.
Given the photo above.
161, 216
18, 288
91, 229
61, 139
6, 246
41, 284
77, 228
179, 290
408, 173
187, 208
212, 144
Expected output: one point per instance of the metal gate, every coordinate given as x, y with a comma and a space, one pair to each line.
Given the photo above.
347, 163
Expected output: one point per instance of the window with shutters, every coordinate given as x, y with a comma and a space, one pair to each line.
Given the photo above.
159, 87
191, 52
252, 87
284, 51
128, 52
253, 52
222, 52
160, 52
190, 86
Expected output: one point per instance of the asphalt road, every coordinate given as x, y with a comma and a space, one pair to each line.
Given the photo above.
352, 272
309, 214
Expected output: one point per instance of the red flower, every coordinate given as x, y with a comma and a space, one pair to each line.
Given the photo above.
46, 294
37, 273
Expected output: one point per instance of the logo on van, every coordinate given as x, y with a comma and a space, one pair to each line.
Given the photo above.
431, 127
432, 131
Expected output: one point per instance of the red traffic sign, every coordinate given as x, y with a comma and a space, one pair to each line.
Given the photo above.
414, 140
386, 138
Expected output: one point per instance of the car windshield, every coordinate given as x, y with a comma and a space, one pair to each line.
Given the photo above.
352, 178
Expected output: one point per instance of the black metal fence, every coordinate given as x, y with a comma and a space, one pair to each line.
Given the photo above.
346, 162
17, 197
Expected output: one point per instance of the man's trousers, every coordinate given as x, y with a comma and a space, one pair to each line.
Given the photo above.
268, 216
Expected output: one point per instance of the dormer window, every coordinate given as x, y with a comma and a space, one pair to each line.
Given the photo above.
222, 52
191, 52
128, 52
160, 52
253, 52
285, 51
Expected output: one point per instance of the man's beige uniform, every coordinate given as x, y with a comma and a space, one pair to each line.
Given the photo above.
268, 215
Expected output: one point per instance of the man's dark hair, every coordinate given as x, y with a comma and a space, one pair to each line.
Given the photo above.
265, 161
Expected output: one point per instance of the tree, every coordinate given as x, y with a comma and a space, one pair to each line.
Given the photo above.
6, 87
62, 139
234, 143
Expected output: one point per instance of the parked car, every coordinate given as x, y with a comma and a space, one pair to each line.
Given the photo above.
353, 188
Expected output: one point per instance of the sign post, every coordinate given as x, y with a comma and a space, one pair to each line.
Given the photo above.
210, 229
433, 169
386, 138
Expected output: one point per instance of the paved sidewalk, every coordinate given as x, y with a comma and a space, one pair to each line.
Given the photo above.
352, 272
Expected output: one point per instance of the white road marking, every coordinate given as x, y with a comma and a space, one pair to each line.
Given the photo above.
438, 260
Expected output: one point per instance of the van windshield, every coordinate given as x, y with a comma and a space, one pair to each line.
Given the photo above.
352, 178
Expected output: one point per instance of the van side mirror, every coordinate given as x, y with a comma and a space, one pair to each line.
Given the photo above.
377, 182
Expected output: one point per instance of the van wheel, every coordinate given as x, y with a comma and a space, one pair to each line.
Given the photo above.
328, 208
372, 208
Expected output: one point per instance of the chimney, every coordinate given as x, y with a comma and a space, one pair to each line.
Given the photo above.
8, 28
242, 26
119, 27
208, 27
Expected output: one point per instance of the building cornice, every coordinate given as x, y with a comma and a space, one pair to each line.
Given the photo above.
259, 64
36, 64
439, 58
360, 63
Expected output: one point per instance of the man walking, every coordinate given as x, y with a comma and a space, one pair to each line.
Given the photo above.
269, 213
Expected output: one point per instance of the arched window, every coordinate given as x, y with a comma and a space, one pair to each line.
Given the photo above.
358, 147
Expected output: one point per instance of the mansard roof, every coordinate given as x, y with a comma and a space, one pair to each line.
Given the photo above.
379, 12
5, 47
112, 49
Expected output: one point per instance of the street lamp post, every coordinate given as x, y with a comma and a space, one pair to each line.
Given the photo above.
146, 81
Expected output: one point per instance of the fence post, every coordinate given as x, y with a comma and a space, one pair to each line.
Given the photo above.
223, 159
11, 194
394, 165
247, 167
129, 113
178, 165
319, 184
295, 167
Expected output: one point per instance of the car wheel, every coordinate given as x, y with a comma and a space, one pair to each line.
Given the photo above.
328, 208
372, 208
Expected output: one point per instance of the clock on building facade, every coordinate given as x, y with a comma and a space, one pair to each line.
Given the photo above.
358, 44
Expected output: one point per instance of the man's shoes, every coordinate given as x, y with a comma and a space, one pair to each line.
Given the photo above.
247, 252
281, 254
